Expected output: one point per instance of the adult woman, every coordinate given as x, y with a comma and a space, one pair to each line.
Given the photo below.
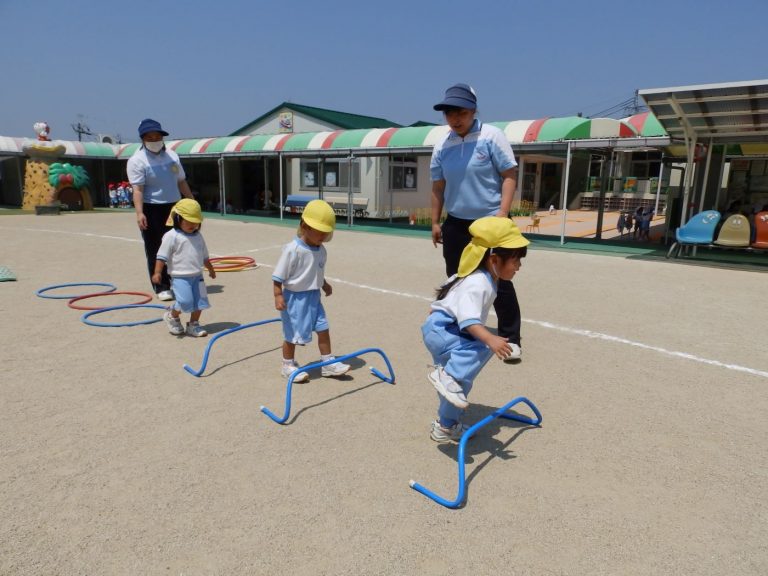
158, 182
474, 174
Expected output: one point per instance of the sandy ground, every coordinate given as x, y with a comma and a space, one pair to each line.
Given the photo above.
652, 378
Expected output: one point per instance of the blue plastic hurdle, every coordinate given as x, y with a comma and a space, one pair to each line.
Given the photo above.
500, 413
289, 386
200, 370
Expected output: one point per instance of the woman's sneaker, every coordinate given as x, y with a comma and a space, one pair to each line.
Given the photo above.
174, 324
441, 434
335, 369
448, 388
165, 295
289, 369
515, 354
194, 329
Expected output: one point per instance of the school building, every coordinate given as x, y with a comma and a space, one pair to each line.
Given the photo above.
698, 147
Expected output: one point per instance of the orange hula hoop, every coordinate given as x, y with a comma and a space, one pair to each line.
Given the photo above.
71, 303
232, 263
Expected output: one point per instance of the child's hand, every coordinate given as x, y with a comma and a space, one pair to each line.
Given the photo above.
156, 278
327, 290
212, 273
500, 347
279, 302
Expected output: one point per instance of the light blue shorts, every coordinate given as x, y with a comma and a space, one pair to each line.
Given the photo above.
303, 314
190, 293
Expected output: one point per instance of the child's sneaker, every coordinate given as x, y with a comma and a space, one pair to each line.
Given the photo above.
174, 324
441, 434
335, 369
448, 388
194, 329
515, 354
289, 369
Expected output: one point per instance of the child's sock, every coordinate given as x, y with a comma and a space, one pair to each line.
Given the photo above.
325, 357
287, 361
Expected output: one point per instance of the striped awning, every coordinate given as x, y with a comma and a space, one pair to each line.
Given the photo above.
545, 130
646, 124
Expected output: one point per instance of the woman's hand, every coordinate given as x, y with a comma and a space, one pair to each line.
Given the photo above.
437, 235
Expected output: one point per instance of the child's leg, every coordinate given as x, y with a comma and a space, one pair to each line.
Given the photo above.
324, 342
465, 363
289, 350
195, 316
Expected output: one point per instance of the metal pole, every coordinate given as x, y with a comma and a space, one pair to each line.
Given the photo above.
658, 184
350, 215
280, 174
706, 176
267, 197
222, 197
565, 191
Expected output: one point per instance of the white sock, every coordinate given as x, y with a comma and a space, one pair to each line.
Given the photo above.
325, 357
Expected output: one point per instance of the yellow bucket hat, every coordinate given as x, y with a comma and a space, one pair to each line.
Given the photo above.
489, 232
319, 215
188, 209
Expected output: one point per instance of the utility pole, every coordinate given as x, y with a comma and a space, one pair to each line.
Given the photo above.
81, 128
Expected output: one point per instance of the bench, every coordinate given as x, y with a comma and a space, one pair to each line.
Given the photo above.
340, 204
295, 203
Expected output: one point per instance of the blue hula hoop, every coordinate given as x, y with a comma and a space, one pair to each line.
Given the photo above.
85, 317
41, 292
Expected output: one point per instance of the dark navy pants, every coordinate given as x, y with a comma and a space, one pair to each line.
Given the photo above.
157, 215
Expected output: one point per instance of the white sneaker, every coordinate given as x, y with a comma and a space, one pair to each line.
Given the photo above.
335, 369
289, 369
441, 434
515, 353
448, 388
174, 324
165, 295
194, 329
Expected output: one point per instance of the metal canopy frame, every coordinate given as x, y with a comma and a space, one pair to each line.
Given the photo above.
726, 113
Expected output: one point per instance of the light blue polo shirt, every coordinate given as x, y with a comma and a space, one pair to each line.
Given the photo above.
471, 169
158, 173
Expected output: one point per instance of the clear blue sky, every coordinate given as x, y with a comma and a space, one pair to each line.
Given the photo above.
208, 68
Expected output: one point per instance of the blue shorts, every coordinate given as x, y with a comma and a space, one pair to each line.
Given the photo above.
190, 293
303, 314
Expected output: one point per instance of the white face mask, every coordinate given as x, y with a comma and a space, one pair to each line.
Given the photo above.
155, 147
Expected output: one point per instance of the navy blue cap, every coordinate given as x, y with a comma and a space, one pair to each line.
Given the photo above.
148, 125
458, 96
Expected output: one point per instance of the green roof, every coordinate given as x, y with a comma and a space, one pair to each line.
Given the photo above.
344, 120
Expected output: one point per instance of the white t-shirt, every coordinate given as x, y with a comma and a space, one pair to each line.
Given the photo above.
160, 175
301, 267
183, 253
470, 300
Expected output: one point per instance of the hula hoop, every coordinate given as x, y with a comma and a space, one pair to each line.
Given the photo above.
232, 263
85, 317
42, 291
148, 298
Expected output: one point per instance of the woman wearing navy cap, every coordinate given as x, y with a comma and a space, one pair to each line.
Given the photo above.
158, 182
474, 174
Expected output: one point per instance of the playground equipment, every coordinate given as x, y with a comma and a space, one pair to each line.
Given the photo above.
42, 292
233, 263
197, 373
289, 387
502, 412
85, 317
146, 298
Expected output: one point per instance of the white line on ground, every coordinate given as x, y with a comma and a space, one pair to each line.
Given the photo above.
549, 325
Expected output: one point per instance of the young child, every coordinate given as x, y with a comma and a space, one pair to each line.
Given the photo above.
184, 251
297, 280
455, 332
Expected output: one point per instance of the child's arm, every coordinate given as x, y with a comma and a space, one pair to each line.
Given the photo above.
277, 290
327, 289
209, 267
157, 276
497, 344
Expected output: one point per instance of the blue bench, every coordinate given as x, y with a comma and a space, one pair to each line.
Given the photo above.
295, 203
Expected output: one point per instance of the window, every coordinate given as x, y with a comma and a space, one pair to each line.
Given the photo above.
645, 164
402, 173
330, 174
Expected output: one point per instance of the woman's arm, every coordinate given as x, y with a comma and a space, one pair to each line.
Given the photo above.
438, 191
508, 187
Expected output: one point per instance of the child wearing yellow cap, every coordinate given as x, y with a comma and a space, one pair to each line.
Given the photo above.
297, 280
455, 332
184, 251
